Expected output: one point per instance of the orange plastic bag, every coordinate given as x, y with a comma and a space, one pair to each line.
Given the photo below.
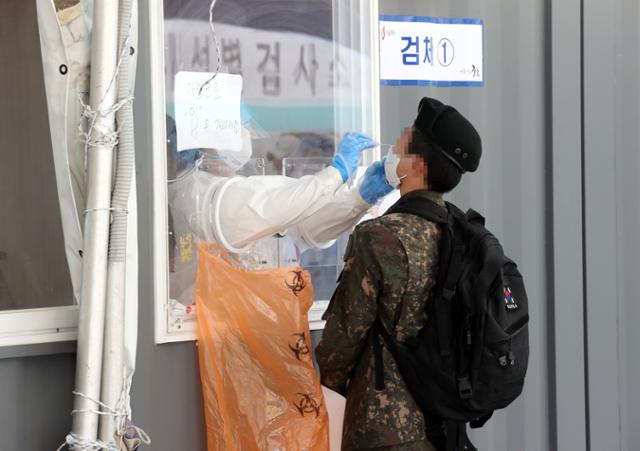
261, 391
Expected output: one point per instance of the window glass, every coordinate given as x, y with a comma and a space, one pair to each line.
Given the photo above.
292, 73
33, 267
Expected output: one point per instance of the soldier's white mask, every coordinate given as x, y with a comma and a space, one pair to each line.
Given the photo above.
391, 162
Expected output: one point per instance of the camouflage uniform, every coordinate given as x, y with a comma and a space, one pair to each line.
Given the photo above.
390, 264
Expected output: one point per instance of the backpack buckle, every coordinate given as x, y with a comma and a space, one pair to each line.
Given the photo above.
464, 388
507, 359
447, 294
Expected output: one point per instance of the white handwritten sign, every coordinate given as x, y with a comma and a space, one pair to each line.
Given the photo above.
208, 118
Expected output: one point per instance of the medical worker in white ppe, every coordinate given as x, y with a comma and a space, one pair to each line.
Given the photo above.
236, 212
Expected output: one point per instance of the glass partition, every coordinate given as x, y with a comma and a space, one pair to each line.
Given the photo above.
302, 88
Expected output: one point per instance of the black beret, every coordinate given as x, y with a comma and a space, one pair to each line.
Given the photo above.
451, 131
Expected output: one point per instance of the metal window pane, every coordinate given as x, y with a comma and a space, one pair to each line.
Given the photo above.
33, 267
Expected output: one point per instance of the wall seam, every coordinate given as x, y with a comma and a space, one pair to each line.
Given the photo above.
584, 235
549, 226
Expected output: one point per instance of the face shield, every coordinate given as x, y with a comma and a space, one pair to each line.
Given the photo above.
225, 162
220, 162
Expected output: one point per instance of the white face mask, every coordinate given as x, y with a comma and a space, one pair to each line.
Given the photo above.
391, 162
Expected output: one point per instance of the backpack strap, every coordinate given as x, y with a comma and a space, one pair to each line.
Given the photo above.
474, 216
457, 439
451, 258
435, 428
480, 421
449, 435
419, 206
429, 210
443, 303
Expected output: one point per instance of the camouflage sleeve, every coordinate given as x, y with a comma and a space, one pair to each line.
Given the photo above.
353, 307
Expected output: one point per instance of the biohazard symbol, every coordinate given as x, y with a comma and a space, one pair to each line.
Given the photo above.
300, 346
297, 283
307, 405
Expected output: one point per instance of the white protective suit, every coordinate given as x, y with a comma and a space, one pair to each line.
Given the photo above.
237, 212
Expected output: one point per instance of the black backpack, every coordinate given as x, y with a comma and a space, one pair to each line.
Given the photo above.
471, 357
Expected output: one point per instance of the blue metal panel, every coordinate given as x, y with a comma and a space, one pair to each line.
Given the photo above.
447, 20
441, 84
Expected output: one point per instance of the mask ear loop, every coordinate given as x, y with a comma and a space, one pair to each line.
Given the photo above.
401, 179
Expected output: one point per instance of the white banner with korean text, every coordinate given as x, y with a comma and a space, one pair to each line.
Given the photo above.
284, 67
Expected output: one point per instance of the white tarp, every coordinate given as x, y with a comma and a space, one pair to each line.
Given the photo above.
65, 43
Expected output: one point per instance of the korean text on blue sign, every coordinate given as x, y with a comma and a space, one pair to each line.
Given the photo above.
431, 51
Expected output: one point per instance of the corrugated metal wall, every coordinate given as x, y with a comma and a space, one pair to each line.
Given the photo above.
612, 218
511, 184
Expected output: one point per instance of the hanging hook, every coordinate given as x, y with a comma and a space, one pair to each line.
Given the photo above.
215, 40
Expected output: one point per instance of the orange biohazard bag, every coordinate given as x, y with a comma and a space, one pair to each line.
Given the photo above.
261, 391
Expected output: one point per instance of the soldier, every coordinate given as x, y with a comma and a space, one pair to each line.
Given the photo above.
390, 269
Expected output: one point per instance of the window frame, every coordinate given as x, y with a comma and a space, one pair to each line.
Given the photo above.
38, 325
168, 328
42, 325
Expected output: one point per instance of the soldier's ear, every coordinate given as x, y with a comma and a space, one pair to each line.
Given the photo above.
419, 166
421, 169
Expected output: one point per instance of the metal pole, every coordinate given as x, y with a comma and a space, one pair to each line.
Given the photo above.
104, 51
113, 363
